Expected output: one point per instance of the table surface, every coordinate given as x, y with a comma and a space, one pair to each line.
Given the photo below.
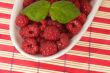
90, 55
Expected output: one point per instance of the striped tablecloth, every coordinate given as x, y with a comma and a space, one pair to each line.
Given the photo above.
90, 55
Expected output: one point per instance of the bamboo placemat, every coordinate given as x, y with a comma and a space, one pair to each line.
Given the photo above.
90, 55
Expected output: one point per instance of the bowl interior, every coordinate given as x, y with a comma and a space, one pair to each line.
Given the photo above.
17, 40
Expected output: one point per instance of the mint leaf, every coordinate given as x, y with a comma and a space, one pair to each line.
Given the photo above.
64, 11
37, 11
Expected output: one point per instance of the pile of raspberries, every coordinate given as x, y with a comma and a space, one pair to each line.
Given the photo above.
49, 37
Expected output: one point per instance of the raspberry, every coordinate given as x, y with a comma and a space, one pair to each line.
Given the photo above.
61, 27
76, 2
43, 25
30, 46
21, 20
70, 35
74, 26
85, 6
27, 2
63, 42
54, 23
40, 40
51, 33
48, 48
30, 31
50, 22
36, 23
82, 18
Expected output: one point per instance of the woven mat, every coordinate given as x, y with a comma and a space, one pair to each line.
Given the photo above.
90, 55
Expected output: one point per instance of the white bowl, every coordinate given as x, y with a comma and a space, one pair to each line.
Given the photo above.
17, 40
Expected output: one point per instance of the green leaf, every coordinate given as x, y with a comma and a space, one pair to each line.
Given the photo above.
64, 11
37, 11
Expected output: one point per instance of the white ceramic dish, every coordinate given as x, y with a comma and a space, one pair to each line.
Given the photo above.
16, 39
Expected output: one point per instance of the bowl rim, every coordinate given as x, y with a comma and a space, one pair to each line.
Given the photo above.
75, 38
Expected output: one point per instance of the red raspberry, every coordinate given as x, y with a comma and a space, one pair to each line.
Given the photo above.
51, 33
30, 46
76, 2
61, 27
82, 18
63, 42
70, 35
74, 26
27, 2
43, 25
85, 6
30, 31
21, 20
50, 22
48, 48
54, 23
40, 40
36, 23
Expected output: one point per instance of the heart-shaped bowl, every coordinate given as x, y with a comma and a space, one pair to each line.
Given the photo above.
17, 40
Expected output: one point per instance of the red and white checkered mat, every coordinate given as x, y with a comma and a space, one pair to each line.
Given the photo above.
90, 55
